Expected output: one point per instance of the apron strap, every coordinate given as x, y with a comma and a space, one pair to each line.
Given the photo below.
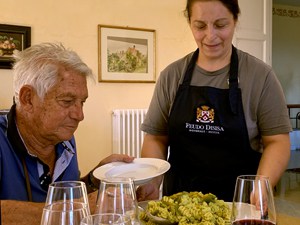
189, 71
233, 81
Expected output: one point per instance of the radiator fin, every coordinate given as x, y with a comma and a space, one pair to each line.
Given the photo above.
127, 136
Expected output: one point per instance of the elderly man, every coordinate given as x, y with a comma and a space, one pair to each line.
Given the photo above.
37, 143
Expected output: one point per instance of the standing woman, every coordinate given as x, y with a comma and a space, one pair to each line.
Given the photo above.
220, 111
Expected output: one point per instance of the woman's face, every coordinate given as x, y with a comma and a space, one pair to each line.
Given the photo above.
213, 26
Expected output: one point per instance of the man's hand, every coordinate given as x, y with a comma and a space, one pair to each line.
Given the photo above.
93, 183
116, 158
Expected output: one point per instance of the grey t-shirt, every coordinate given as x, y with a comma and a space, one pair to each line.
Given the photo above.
263, 99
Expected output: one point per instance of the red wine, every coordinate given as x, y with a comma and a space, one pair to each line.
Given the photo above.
252, 222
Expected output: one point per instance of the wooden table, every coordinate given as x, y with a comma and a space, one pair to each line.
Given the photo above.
294, 165
21, 213
28, 213
11, 217
287, 220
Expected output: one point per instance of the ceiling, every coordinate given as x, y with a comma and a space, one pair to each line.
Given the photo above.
287, 2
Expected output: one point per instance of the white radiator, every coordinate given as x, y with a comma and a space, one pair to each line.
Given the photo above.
127, 136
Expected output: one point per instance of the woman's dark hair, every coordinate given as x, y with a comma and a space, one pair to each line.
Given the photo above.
231, 5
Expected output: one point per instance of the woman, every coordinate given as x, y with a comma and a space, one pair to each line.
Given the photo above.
220, 111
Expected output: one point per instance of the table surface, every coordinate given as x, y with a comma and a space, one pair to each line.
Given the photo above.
287, 220
281, 220
11, 216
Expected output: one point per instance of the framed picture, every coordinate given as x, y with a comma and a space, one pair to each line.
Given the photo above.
126, 54
12, 38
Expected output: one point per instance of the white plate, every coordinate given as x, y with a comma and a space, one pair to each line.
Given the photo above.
142, 170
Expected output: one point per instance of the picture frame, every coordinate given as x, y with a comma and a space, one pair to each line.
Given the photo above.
126, 54
12, 38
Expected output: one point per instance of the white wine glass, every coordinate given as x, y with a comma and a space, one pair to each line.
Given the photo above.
66, 203
74, 191
253, 201
105, 219
64, 213
117, 195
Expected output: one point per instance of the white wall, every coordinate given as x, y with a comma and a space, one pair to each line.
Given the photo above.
74, 22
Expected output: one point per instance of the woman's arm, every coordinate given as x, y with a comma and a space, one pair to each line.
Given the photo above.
154, 146
275, 157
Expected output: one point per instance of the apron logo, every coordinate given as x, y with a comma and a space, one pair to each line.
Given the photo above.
205, 118
205, 114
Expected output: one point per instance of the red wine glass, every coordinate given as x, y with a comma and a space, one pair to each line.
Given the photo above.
253, 201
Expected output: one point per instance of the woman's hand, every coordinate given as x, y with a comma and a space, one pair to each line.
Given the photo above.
92, 201
259, 198
149, 191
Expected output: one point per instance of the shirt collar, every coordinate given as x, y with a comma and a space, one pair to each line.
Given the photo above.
13, 134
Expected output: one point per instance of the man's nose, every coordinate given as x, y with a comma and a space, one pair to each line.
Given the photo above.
77, 112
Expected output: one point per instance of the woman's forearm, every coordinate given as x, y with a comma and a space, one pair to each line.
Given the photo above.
275, 157
155, 146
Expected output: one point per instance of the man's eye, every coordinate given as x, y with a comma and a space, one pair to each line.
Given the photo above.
66, 102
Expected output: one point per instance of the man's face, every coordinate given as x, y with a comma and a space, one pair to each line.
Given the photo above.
57, 116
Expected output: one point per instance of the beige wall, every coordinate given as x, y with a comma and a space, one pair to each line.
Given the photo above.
286, 53
286, 50
74, 23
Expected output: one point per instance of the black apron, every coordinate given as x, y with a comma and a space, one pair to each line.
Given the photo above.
209, 143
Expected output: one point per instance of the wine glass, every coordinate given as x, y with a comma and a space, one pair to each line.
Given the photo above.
74, 191
253, 201
105, 219
117, 195
64, 213
66, 203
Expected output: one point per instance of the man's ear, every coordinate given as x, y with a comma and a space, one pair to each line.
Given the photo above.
26, 96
